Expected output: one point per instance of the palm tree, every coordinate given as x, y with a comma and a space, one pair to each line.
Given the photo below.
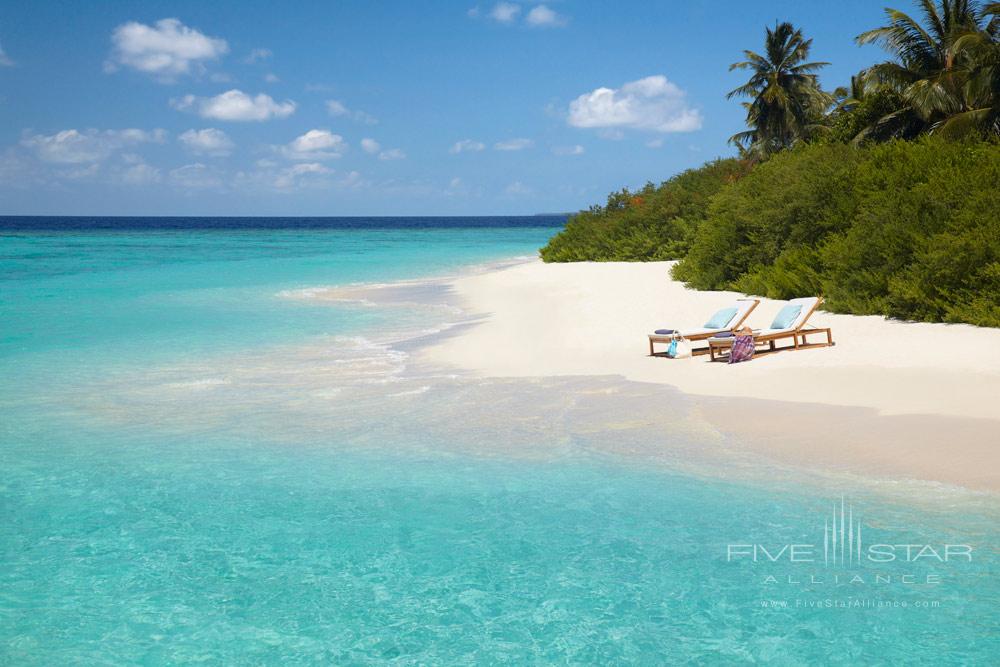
787, 103
978, 55
945, 68
848, 98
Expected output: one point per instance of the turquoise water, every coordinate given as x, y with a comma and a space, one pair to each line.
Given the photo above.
206, 458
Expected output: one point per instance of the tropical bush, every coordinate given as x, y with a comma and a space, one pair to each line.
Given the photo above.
654, 223
905, 229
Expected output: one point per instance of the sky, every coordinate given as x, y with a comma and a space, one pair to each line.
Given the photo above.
377, 108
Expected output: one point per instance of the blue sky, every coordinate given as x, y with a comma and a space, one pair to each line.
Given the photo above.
376, 108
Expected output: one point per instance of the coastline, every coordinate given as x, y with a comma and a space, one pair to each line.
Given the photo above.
890, 400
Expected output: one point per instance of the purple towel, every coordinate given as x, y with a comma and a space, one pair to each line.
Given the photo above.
742, 349
663, 332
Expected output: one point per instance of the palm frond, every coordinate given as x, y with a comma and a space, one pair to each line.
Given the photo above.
969, 122
808, 67
889, 74
743, 138
746, 90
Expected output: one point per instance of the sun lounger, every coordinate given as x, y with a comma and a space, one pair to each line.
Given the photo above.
722, 321
789, 324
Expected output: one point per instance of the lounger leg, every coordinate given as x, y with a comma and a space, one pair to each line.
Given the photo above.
829, 337
771, 344
650, 347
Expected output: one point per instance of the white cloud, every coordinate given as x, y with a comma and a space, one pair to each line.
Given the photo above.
167, 50
568, 150
289, 178
134, 136
235, 105
271, 78
373, 147
353, 180
140, 174
209, 141
467, 146
518, 188
73, 147
458, 188
337, 108
655, 143
17, 170
5, 61
257, 55
315, 145
653, 103
505, 12
196, 176
543, 17
518, 144
392, 154
81, 173
293, 176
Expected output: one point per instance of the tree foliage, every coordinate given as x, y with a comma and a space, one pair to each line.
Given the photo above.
945, 69
905, 229
653, 223
786, 102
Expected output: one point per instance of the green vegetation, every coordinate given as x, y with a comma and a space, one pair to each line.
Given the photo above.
905, 229
655, 223
882, 196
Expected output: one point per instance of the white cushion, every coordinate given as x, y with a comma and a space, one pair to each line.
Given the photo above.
808, 303
742, 306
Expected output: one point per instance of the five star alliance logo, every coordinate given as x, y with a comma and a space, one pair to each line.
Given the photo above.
842, 546
834, 536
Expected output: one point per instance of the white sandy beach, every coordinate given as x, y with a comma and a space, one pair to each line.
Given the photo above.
540, 319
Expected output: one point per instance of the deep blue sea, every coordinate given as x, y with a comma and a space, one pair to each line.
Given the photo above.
217, 446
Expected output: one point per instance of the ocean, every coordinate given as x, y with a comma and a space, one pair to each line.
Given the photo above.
217, 445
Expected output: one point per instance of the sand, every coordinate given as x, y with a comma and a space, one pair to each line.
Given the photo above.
545, 320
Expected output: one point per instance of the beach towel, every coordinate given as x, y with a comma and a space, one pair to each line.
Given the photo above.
742, 349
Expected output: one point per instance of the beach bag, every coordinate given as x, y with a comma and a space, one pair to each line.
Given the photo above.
742, 349
679, 347
682, 350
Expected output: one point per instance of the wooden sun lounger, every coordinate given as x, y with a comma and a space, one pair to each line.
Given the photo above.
717, 347
704, 335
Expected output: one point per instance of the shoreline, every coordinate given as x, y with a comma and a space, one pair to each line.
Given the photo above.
891, 399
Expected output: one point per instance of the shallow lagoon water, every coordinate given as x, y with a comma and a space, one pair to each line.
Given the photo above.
210, 456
